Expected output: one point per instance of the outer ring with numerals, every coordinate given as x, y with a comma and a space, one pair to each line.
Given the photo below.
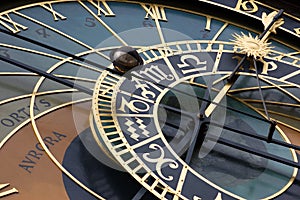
70, 143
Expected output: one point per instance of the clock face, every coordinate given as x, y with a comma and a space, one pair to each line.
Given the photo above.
138, 100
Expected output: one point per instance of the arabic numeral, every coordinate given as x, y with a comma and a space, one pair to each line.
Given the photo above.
42, 32
148, 24
4, 52
90, 22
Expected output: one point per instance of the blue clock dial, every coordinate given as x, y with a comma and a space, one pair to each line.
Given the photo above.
105, 99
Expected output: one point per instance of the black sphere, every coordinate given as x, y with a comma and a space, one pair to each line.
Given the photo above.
125, 58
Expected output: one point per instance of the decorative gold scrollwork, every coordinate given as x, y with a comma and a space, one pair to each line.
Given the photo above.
160, 161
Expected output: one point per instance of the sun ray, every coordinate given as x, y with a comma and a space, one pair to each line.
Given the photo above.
250, 46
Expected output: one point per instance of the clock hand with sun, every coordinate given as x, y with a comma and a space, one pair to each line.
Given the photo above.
271, 22
260, 49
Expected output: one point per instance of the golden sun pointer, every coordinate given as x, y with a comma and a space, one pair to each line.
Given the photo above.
251, 46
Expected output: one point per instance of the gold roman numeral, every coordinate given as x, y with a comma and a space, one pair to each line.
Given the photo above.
56, 15
102, 7
7, 192
155, 12
11, 25
208, 23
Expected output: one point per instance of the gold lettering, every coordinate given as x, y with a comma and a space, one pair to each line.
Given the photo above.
106, 10
154, 73
56, 15
8, 192
267, 66
155, 12
132, 105
248, 6
186, 66
5, 20
140, 84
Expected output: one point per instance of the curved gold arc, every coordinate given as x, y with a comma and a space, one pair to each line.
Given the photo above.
249, 15
272, 8
6, 138
51, 156
280, 88
283, 115
256, 88
293, 152
285, 138
167, 6
272, 102
100, 145
128, 147
38, 135
180, 159
295, 172
17, 74
76, 78
31, 51
33, 97
38, 94
289, 126
15, 130
44, 146
61, 33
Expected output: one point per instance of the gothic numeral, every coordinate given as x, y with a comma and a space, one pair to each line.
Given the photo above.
155, 12
8, 23
102, 7
154, 73
56, 15
146, 91
7, 192
136, 106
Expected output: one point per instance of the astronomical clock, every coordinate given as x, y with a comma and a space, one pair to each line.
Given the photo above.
121, 99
